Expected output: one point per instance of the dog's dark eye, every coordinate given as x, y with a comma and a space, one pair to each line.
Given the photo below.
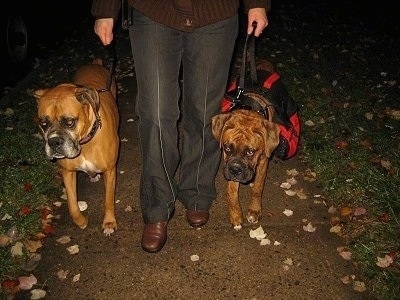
250, 152
44, 125
68, 123
227, 148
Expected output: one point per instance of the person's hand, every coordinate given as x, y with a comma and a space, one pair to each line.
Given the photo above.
258, 17
104, 29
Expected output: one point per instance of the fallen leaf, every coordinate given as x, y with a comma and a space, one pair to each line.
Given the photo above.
346, 255
336, 229
65, 239
82, 205
346, 279
346, 211
332, 210
384, 218
38, 294
369, 116
194, 257
288, 261
290, 193
360, 211
258, 233
76, 278
16, 249
291, 181
385, 261
74, 249
32, 245
276, 243
359, 286
24, 210
285, 185
292, 172
264, 242
49, 229
309, 227
300, 193
27, 282
10, 287
288, 212
57, 203
5, 240
309, 123
61, 274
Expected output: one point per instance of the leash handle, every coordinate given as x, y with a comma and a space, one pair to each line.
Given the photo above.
248, 56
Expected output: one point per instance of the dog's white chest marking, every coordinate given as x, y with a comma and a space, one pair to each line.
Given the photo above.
88, 167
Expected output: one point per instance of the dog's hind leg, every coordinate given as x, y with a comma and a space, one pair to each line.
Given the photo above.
109, 221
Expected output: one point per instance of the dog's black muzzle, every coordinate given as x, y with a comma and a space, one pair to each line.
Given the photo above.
238, 170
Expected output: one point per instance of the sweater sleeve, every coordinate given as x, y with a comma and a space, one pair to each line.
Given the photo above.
106, 9
257, 3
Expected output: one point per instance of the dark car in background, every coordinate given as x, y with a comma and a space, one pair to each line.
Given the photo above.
31, 30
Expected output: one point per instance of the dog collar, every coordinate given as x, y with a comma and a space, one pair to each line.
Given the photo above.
92, 132
240, 101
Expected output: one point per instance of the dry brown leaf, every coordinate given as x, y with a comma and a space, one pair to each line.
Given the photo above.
360, 211
359, 286
346, 279
335, 221
5, 240
385, 261
346, 211
61, 274
336, 229
32, 245
346, 255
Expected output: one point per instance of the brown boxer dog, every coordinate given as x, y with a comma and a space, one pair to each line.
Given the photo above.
79, 122
247, 140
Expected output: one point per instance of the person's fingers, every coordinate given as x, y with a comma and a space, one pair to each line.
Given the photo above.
104, 30
257, 21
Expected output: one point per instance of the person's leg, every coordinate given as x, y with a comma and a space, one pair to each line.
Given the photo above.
157, 54
206, 61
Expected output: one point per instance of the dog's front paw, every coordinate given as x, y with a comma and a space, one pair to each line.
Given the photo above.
95, 178
253, 216
108, 231
81, 221
109, 227
237, 227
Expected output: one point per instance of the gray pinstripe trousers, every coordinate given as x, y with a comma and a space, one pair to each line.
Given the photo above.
179, 162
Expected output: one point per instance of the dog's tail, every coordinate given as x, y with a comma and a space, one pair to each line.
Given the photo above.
98, 61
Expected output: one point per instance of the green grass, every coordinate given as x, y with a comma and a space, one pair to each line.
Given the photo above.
27, 185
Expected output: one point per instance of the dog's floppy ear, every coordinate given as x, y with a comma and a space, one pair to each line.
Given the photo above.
91, 96
39, 93
218, 122
271, 137
85, 94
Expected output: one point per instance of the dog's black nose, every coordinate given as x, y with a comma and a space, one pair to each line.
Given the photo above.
56, 142
235, 169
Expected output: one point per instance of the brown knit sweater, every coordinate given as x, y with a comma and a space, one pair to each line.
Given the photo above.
185, 15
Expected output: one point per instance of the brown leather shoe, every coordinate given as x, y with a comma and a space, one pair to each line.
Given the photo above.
197, 218
154, 236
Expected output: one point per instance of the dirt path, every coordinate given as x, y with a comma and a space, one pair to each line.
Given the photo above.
296, 265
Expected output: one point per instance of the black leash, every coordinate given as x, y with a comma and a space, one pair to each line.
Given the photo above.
112, 58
